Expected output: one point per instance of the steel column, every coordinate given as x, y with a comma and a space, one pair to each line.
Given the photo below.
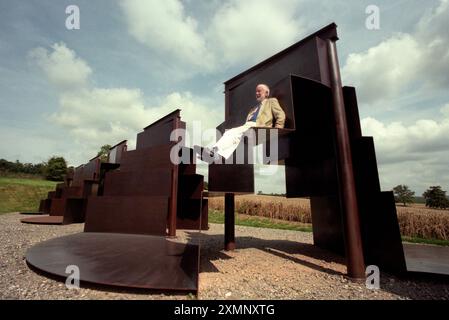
173, 207
229, 222
353, 241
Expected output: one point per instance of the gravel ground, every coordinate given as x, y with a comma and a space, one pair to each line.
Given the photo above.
268, 264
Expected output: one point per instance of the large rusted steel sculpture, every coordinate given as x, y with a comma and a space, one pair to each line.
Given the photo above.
45, 204
68, 203
325, 155
149, 183
127, 239
131, 222
68, 197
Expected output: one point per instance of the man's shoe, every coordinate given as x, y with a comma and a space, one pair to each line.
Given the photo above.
204, 153
207, 155
214, 152
218, 159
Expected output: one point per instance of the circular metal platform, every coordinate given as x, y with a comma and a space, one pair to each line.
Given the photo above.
427, 258
125, 260
44, 220
31, 213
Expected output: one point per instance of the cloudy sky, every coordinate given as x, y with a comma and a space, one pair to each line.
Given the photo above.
68, 92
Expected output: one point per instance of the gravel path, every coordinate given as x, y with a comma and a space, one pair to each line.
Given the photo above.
269, 264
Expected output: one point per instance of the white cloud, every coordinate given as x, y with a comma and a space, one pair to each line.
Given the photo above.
384, 71
407, 66
97, 116
62, 67
414, 154
238, 32
403, 61
434, 39
396, 142
418, 175
246, 31
163, 26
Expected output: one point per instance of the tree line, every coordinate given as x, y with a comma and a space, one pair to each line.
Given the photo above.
435, 196
18, 167
53, 169
56, 168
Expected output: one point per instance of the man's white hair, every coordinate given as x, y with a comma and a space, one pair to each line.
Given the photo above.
267, 88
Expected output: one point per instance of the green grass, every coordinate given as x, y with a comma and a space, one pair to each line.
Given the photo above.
20, 194
26, 182
426, 241
260, 222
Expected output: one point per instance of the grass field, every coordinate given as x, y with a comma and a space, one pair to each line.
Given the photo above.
260, 222
19, 194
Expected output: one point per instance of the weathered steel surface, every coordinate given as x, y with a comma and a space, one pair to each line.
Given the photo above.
147, 182
347, 188
69, 200
237, 178
116, 151
192, 209
325, 156
427, 259
124, 260
150, 194
137, 203
229, 222
158, 133
123, 214
53, 220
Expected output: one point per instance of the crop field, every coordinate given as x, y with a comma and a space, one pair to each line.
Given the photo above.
415, 220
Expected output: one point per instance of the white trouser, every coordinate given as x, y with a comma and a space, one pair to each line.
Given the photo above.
230, 140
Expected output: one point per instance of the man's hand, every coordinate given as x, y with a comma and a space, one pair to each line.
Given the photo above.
278, 114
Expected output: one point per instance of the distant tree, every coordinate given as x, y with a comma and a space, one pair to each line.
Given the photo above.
40, 168
403, 194
18, 167
436, 198
103, 153
56, 169
259, 192
28, 168
206, 185
5, 165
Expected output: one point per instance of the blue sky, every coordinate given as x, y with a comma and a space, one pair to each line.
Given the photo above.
67, 92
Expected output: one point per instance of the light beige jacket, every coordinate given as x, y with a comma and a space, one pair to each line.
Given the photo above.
270, 114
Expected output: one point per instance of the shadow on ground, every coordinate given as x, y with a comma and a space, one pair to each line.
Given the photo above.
411, 285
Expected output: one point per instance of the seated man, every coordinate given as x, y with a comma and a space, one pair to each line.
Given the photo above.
266, 113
